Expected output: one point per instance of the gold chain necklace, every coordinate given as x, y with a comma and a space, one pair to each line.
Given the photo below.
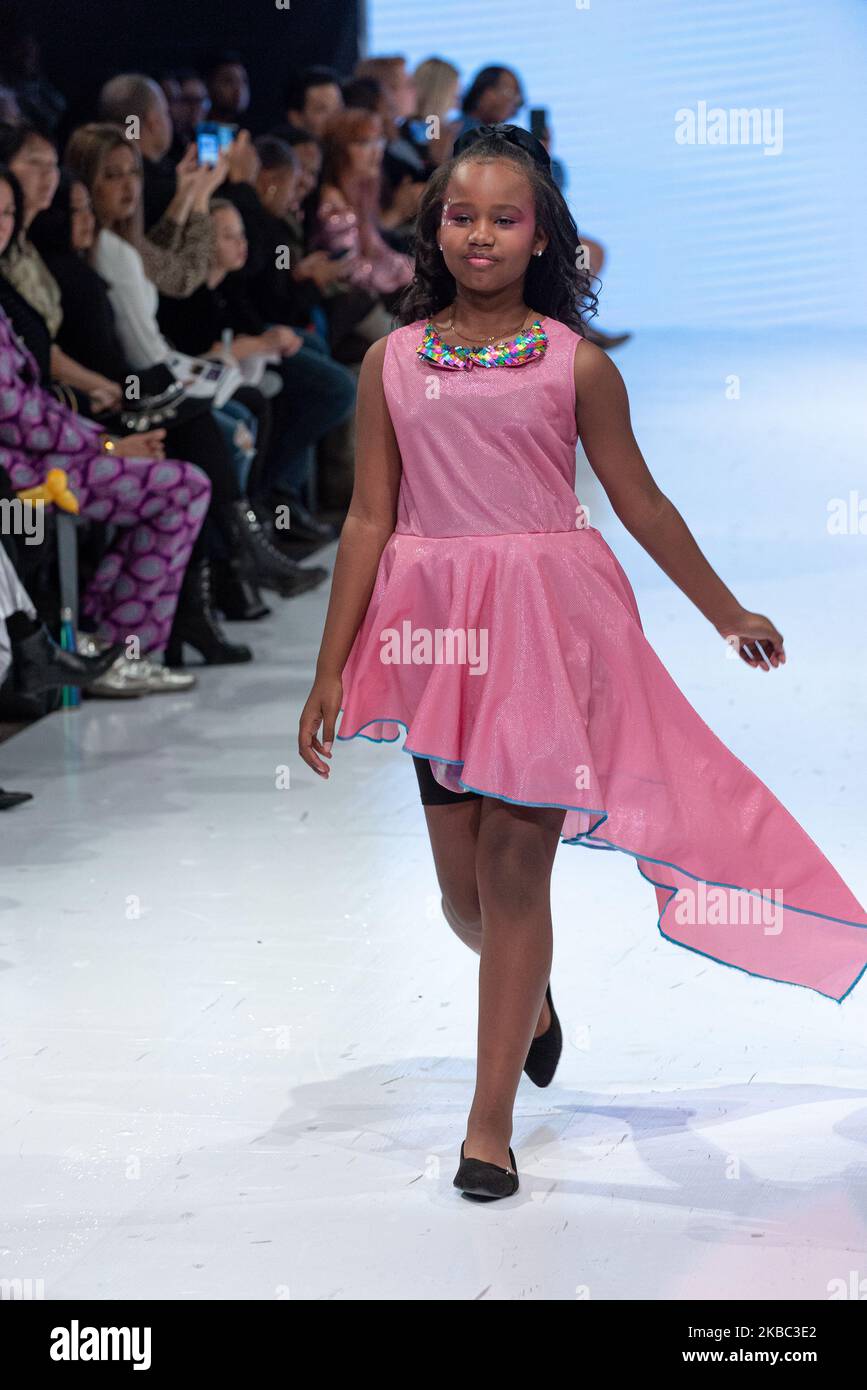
447, 328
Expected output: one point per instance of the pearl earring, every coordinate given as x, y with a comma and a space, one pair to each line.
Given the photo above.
537, 253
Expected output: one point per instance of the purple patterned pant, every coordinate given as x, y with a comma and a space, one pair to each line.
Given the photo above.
160, 505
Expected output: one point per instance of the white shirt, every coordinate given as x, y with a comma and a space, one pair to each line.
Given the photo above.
134, 299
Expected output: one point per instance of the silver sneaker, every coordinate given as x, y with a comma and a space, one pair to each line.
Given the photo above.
162, 680
128, 678
122, 680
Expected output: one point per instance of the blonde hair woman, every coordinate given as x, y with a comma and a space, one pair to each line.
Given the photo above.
437, 89
176, 250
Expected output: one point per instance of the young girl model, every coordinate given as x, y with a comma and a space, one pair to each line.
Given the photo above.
472, 605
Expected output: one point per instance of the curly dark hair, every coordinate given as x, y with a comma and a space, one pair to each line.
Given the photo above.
554, 285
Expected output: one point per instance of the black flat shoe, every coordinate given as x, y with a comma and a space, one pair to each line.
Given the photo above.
545, 1050
485, 1182
10, 799
40, 664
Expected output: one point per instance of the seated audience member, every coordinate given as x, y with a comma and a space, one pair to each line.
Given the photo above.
189, 106
228, 87
364, 92
432, 129
107, 164
308, 150
138, 105
347, 219
313, 96
309, 153
346, 224
155, 505
64, 235
317, 394
174, 229
404, 171
29, 291
313, 285
398, 199
494, 95
284, 293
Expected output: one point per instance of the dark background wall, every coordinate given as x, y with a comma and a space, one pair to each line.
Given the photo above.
86, 41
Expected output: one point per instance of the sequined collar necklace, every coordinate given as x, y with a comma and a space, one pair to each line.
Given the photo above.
509, 352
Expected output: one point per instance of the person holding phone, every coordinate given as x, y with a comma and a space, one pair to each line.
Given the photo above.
139, 105
172, 215
212, 137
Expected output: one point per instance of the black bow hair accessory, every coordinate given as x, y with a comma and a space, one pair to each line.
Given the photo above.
515, 136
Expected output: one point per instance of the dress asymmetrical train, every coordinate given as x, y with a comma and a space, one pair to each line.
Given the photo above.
503, 636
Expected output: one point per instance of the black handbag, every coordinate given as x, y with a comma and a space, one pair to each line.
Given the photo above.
162, 401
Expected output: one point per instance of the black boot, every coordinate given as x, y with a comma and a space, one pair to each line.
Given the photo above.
303, 525
235, 594
273, 569
196, 624
39, 664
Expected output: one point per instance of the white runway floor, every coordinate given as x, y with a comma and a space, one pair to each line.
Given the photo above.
238, 1037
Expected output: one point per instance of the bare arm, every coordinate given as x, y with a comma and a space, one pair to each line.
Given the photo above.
369, 523
605, 428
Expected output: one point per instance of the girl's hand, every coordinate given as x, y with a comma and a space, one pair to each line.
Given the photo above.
319, 268
322, 707
304, 268
754, 638
282, 339
207, 178
185, 172
148, 445
104, 396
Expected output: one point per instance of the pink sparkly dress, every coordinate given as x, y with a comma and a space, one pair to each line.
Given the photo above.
503, 636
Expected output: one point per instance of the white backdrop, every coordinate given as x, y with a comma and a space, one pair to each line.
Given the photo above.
698, 235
